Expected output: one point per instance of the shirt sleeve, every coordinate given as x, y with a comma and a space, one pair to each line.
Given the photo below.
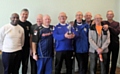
58, 36
23, 37
2, 35
75, 32
107, 42
116, 30
35, 36
31, 30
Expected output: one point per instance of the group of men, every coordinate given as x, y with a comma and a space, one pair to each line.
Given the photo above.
83, 39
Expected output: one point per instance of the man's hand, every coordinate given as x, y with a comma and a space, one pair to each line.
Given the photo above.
93, 22
69, 36
105, 27
72, 35
99, 50
31, 52
35, 57
0, 52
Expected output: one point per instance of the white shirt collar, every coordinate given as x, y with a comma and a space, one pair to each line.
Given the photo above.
45, 26
13, 25
63, 24
79, 24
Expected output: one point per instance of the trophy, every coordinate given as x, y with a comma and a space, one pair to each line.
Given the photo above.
69, 27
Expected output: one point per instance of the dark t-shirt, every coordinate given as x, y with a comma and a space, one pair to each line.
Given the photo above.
33, 28
26, 26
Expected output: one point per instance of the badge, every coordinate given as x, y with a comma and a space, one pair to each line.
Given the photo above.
35, 32
59, 27
53, 28
76, 29
40, 27
85, 29
19, 31
27, 27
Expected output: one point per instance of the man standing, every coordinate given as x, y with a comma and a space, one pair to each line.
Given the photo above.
44, 46
99, 39
34, 28
26, 48
63, 44
114, 28
11, 42
81, 43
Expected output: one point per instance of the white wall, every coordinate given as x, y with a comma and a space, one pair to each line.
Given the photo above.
54, 7
119, 10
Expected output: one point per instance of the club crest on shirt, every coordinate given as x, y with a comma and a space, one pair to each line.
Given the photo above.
51, 29
19, 31
40, 27
35, 32
59, 27
27, 27
85, 29
76, 29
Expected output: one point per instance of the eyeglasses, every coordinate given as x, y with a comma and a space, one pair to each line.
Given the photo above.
98, 18
79, 15
62, 16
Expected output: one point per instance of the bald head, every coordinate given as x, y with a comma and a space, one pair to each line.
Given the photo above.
88, 16
62, 17
39, 16
62, 14
46, 16
39, 19
13, 14
110, 15
14, 19
97, 16
46, 20
88, 13
98, 19
110, 11
79, 16
79, 13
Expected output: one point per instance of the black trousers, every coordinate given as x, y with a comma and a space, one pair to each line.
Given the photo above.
11, 62
93, 63
82, 59
68, 57
33, 65
25, 56
114, 50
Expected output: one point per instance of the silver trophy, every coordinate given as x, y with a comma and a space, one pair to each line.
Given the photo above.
69, 27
